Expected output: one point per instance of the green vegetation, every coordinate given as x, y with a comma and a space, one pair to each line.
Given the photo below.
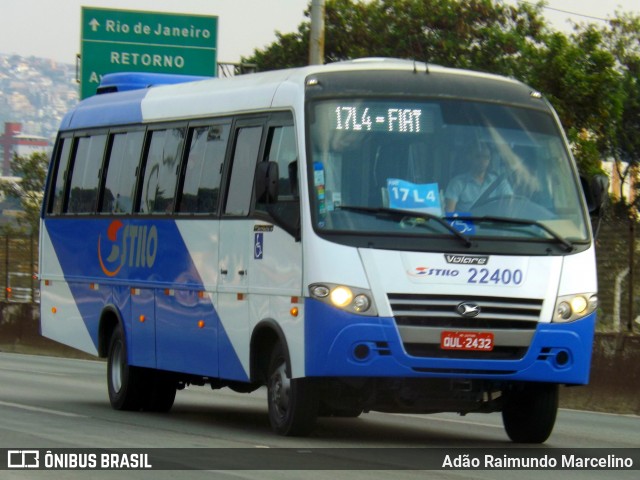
32, 171
591, 76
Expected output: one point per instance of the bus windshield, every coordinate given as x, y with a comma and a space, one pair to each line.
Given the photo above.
394, 167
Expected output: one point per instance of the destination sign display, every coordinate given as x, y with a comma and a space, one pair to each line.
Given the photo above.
378, 118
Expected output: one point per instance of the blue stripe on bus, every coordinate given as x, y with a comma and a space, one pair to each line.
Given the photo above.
181, 330
106, 110
333, 337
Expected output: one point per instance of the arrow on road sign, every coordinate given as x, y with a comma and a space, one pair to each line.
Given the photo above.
94, 25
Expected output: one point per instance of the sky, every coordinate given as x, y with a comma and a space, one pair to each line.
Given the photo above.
51, 28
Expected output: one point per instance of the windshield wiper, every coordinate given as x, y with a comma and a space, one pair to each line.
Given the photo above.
521, 221
407, 213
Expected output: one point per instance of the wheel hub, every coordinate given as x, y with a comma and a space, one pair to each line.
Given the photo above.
280, 390
116, 368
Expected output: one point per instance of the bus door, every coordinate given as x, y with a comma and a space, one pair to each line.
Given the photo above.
275, 280
276, 249
236, 249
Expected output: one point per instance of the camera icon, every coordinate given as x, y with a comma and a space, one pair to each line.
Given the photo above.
23, 459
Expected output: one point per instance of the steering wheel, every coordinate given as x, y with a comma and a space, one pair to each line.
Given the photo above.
516, 206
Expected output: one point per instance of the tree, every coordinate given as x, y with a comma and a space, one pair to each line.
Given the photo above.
290, 50
622, 36
577, 74
589, 76
476, 34
32, 171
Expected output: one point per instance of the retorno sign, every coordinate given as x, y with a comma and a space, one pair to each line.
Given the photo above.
135, 41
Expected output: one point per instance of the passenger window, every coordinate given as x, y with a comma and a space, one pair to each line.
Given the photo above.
245, 158
201, 186
61, 175
120, 183
85, 177
161, 171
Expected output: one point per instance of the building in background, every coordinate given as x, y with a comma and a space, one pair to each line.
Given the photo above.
14, 142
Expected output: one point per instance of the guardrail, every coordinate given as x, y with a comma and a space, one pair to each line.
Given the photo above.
19, 268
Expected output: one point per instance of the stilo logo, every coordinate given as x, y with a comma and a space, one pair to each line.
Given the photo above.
468, 310
419, 272
131, 245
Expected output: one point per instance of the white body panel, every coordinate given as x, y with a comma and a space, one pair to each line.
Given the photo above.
406, 272
60, 318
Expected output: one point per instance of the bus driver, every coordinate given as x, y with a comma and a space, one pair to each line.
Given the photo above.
465, 189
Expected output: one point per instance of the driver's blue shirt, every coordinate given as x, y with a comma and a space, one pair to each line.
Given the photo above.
465, 189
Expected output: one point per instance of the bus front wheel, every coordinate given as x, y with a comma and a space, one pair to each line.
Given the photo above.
529, 412
293, 402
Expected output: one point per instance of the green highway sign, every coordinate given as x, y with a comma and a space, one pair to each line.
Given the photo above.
133, 41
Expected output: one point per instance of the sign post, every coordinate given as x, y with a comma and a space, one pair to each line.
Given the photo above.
133, 41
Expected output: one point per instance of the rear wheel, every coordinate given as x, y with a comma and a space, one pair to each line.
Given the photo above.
293, 403
126, 384
135, 388
161, 394
529, 412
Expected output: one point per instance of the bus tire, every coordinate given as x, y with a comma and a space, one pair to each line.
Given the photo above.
162, 393
529, 413
293, 403
126, 384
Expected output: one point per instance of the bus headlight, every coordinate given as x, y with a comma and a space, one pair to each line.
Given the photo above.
361, 303
573, 307
351, 299
341, 296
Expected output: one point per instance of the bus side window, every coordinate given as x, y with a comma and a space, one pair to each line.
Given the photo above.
120, 181
245, 157
161, 170
83, 194
64, 149
281, 148
203, 171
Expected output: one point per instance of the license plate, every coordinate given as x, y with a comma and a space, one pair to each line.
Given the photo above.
475, 341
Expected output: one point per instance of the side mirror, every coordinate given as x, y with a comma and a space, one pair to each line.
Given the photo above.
596, 192
266, 182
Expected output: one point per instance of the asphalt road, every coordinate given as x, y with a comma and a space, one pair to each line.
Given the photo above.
51, 403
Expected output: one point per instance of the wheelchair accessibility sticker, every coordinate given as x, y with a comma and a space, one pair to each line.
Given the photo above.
258, 245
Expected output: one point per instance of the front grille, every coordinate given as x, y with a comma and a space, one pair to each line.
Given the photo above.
422, 318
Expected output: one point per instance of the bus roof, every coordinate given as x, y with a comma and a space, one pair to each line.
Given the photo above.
124, 81
244, 93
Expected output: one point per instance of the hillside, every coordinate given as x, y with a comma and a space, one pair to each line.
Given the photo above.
36, 92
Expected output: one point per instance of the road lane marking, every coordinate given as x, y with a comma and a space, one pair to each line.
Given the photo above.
38, 372
41, 410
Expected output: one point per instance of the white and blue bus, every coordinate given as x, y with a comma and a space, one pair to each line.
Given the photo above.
300, 229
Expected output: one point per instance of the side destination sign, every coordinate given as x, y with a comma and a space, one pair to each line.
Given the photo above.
133, 41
